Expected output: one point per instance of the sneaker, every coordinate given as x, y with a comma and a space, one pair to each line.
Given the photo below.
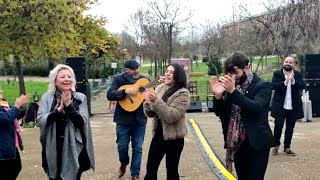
275, 150
289, 152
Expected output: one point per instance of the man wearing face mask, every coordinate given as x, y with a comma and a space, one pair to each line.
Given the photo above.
286, 103
241, 100
130, 125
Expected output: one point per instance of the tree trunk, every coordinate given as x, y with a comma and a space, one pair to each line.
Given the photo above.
155, 67
19, 73
258, 65
14, 69
50, 65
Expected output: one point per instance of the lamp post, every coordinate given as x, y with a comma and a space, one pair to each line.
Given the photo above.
124, 51
165, 22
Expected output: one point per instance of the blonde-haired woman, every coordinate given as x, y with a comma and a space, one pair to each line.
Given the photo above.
65, 132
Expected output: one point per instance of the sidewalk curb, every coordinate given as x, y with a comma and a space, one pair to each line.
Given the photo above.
208, 154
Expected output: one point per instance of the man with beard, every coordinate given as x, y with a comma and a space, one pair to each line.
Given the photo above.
286, 103
130, 125
241, 101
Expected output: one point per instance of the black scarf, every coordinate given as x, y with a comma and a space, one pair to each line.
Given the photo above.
131, 79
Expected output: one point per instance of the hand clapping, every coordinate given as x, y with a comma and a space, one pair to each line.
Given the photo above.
216, 87
289, 78
22, 101
161, 79
150, 96
66, 98
228, 82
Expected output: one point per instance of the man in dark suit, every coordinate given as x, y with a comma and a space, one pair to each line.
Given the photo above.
241, 101
286, 103
130, 126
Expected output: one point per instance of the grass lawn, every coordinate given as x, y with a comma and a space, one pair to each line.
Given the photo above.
11, 92
268, 76
266, 62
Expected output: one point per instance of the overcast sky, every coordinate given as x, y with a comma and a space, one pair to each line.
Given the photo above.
118, 11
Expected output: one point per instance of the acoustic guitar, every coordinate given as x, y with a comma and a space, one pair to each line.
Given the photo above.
133, 101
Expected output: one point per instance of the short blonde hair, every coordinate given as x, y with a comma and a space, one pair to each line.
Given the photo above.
53, 75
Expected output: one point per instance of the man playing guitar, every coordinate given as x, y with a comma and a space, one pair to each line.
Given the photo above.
130, 125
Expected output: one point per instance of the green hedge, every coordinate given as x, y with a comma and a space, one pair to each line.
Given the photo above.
28, 70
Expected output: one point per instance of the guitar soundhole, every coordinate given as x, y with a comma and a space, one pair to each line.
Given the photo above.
142, 89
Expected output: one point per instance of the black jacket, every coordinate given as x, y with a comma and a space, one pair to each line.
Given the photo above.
122, 116
280, 90
254, 106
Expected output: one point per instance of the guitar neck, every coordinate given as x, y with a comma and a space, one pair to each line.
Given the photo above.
152, 83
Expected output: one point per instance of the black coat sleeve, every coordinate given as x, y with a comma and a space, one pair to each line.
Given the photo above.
113, 94
219, 107
260, 101
278, 81
74, 116
299, 83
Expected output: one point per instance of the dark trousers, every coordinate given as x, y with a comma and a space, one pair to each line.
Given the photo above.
10, 168
278, 125
160, 147
251, 164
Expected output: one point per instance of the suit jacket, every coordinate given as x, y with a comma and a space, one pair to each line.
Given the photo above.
280, 90
254, 104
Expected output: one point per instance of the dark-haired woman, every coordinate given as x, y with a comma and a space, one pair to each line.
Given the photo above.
167, 105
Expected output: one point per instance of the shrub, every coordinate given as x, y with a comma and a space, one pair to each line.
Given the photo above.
38, 70
205, 59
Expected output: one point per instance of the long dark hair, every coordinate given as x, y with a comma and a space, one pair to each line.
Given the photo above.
180, 81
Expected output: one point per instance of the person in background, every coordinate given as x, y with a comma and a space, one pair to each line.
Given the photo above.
167, 105
286, 103
10, 162
130, 126
65, 131
241, 100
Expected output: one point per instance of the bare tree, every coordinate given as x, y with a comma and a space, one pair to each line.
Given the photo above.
135, 28
190, 46
288, 24
152, 32
215, 39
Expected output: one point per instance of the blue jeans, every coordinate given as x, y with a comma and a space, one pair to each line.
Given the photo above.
136, 134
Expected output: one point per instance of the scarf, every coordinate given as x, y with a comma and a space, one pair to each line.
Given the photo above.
132, 79
236, 132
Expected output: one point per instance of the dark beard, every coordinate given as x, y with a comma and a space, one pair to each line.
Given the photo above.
287, 68
242, 79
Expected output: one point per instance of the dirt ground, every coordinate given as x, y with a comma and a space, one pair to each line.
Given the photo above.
304, 166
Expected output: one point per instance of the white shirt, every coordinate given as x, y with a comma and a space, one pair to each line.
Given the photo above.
288, 99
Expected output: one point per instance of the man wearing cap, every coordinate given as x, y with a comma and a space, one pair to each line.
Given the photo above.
130, 125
